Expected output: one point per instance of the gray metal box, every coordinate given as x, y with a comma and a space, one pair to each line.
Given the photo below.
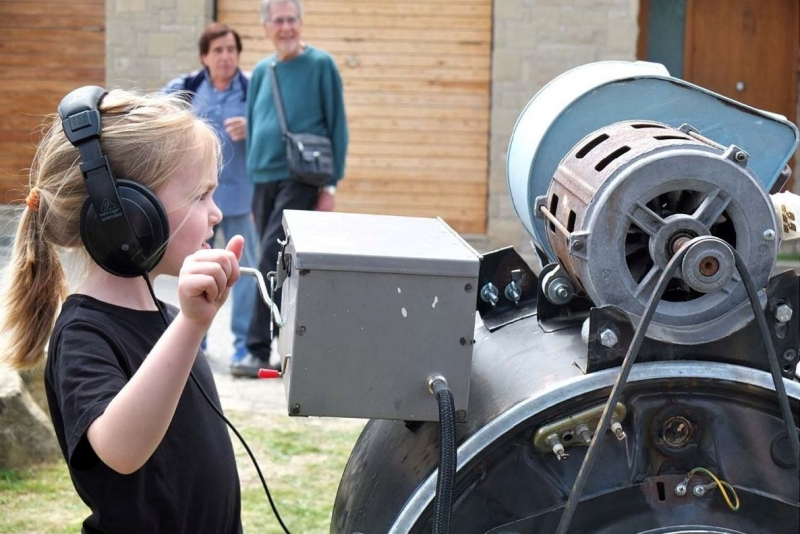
373, 306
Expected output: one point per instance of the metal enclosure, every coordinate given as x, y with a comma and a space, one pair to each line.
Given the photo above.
373, 306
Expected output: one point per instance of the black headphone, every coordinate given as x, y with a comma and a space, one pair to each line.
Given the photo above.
124, 226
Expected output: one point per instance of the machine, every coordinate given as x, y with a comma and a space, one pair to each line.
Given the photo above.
639, 377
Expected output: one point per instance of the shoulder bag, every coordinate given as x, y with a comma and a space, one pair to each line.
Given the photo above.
309, 156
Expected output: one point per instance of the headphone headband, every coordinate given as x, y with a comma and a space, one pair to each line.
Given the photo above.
80, 114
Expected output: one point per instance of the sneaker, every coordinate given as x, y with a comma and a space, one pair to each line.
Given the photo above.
239, 354
249, 366
274, 355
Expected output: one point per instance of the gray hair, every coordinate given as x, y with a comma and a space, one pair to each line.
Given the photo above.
266, 3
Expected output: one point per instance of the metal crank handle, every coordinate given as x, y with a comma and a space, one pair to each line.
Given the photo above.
262, 288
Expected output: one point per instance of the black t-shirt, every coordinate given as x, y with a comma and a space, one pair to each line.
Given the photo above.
190, 484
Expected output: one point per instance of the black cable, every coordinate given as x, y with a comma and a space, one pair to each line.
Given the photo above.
219, 412
774, 366
633, 351
445, 479
616, 391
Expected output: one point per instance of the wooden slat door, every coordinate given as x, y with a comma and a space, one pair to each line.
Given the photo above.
746, 50
47, 48
417, 77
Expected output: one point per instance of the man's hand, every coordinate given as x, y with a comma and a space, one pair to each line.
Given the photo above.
325, 201
236, 127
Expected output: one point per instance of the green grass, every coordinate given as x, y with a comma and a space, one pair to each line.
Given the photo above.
301, 459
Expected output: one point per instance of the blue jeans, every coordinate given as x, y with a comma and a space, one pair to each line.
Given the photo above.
244, 290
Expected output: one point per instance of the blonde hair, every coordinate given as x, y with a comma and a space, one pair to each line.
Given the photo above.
147, 139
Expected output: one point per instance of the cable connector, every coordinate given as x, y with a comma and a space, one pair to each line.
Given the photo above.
436, 382
787, 211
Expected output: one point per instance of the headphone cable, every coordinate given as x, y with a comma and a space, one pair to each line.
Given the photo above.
230, 425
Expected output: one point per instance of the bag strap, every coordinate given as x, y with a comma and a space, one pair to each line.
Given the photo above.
192, 81
276, 94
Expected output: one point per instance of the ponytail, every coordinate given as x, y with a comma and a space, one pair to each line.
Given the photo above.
35, 286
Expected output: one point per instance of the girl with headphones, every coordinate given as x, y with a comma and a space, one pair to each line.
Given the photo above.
144, 451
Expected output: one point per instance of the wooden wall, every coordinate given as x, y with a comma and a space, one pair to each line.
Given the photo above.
417, 88
47, 48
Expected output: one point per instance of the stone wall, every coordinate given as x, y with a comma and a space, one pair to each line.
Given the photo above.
535, 41
148, 42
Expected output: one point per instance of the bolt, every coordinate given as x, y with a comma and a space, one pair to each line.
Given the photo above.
559, 290
468, 288
512, 292
463, 341
489, 294
577, 245
616, 428
740, 156
789, 355
680, 490
461, 416
558, 448
783, 313
769, 235
584, 433
608, 338
295, 409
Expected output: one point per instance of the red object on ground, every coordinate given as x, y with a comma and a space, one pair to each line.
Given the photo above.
268, 373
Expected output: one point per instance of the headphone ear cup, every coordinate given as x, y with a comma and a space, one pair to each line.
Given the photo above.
148, 221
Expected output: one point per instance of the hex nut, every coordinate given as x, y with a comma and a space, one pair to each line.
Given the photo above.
608, 338
783, 313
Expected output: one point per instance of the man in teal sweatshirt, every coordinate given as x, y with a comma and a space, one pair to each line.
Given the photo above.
311, 91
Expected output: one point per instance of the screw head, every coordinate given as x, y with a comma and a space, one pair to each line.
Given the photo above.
468, 288
783, 313
769, 235
740, 156
789, 355
295, 409
680, 490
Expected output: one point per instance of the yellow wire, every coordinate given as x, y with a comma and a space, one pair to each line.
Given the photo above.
721, 484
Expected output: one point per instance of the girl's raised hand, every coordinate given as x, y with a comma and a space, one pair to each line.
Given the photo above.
205, 280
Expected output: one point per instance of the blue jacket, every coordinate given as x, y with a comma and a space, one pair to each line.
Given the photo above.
234, 195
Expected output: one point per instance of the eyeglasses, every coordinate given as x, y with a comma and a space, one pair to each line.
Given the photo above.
280, 21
